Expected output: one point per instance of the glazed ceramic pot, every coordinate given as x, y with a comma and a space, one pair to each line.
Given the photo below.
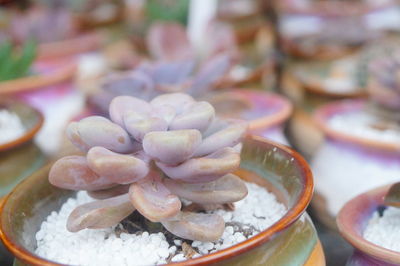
290, 241
347, 164
352, 221
313, 29
21, 157
266, 112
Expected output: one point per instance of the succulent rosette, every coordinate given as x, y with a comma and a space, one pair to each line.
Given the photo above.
174, 65
148, 157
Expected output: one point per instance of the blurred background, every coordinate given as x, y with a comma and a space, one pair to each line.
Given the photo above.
322, 76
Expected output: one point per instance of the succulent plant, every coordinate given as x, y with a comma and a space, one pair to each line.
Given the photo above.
15, 64
147, 157
174, 66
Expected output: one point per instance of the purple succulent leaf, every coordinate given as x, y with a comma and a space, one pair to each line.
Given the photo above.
75, 138
167, 112
197, 115
227, 133
109, 192
204, 169
172, 73
99, 131
122, 105
132, 83
178, 101
210, 73
100, 214
118, 168
139, 124
153, 200
169, 41
226, 189
171, 147
196, 226
73, 172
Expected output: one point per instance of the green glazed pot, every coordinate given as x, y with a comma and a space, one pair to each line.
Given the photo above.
290, 241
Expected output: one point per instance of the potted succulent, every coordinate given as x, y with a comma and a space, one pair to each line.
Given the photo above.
314, 28
151, 157
371, 143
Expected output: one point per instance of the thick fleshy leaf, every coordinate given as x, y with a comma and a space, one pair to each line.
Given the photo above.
168, 41
122, 105
204, 169
211, 72
75, 138
178, 101
119, 168
100, 214
133, 83
109, 192
139, 124
99, 131
392, 198
226, 189
222, 134
73, 172
198, 115
172, 73
153, 200
171, 147
197, 226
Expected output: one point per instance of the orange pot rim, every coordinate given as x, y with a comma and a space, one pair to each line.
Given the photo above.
28, 135
325, 112
353, 213
36, 82
291, 216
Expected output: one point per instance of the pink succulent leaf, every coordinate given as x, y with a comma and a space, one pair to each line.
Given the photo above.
210, 73
139, 124
197, 115
118, 168
73, 172
169, 41
132, 83
197, 226
99, 131
220, 38
172, 73
204, 169
171, 147
121, 105
153, 200
222, 133
75, 138
109, 192
226, 189
167, 112
100, 214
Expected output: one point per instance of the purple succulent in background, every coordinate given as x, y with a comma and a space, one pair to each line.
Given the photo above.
147, 157
174, 65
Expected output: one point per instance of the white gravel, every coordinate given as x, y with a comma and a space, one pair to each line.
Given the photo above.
384, 231
359, 123
259, 209
11, 126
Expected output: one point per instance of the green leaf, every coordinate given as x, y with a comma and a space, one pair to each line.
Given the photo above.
169, 10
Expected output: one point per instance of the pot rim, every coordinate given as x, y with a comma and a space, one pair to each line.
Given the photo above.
36, 82
291, 216
29, 134
81, 43
325, 112
352, 213
269, 120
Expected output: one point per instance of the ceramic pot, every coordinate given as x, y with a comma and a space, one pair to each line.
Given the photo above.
346, 164
352, 220
291, 240
308, 28
266, 112
21, 157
